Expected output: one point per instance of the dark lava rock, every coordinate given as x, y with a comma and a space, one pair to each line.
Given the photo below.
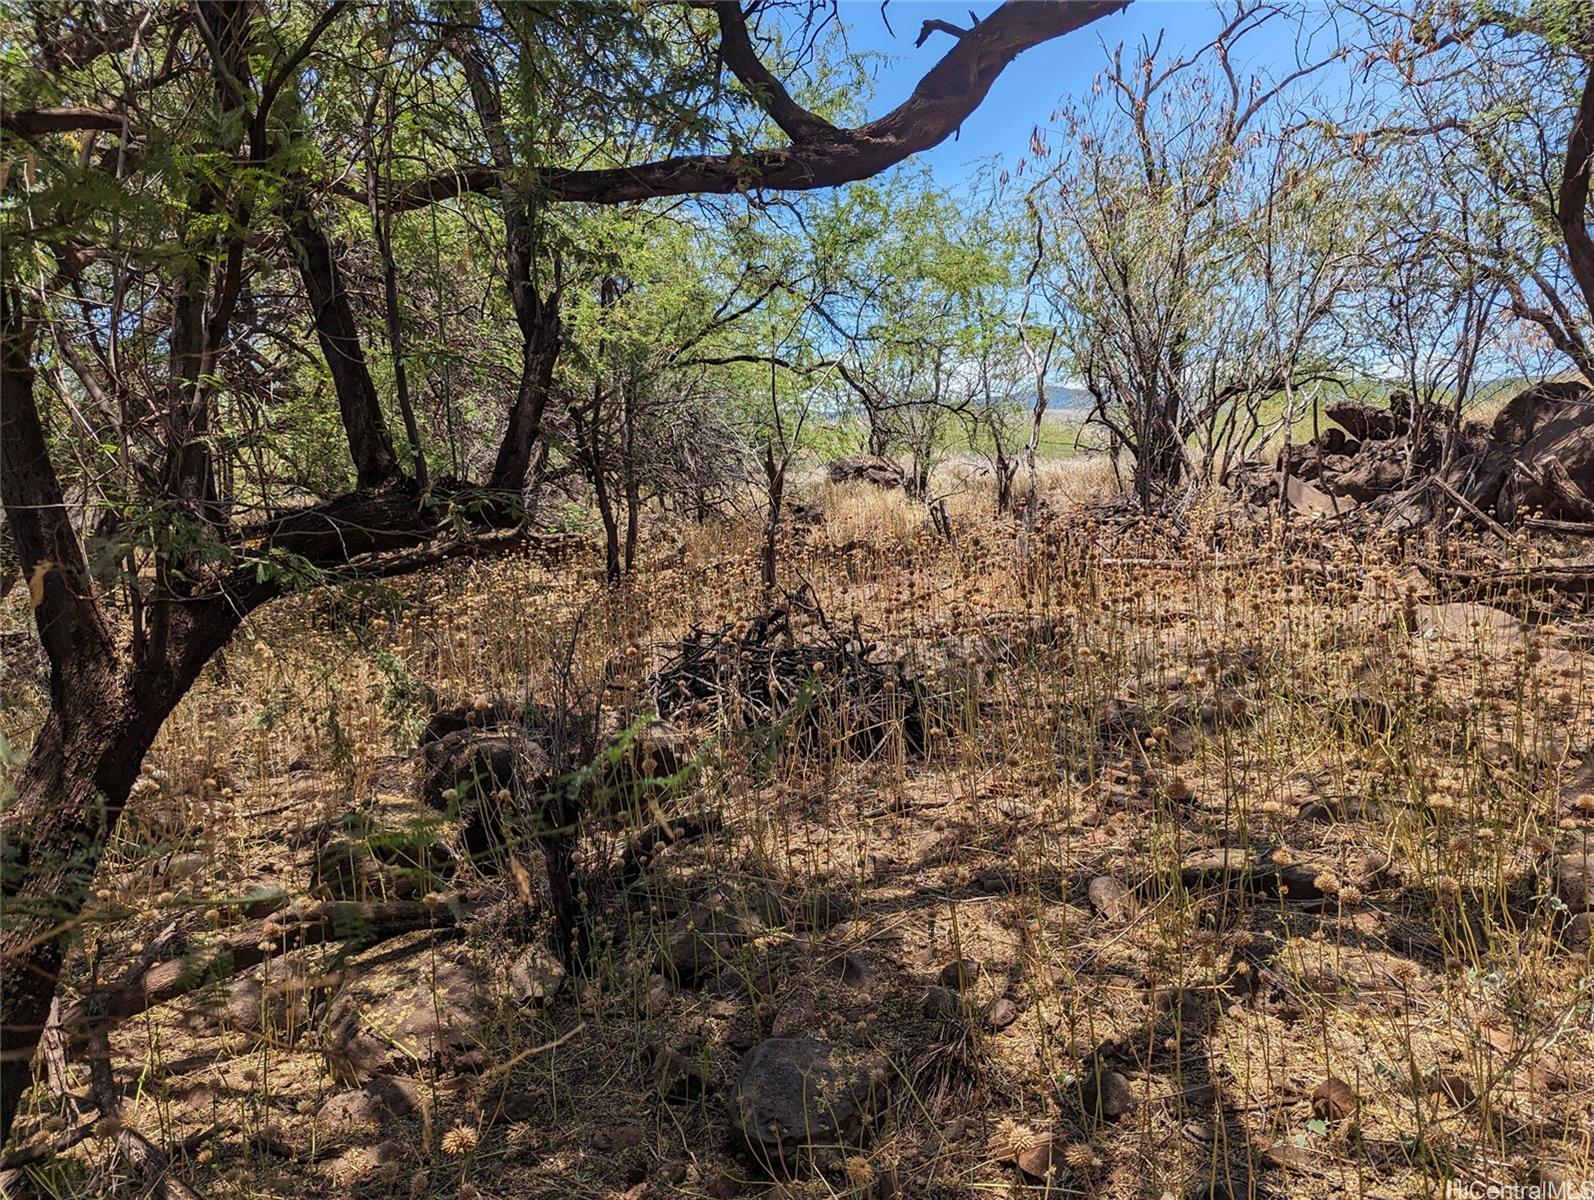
1102, 1094
795, 1094
960, 974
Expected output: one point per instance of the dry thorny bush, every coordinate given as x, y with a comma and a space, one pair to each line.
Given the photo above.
1028, 925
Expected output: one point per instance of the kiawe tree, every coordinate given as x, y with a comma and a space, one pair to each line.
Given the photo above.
186, 190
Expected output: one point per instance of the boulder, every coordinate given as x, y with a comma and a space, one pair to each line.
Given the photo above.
436, 1019
468, 774
1551, 428
867, 468
796, 1094
1379, 468
1363, 421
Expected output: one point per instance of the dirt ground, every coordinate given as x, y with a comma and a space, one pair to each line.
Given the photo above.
1231, 862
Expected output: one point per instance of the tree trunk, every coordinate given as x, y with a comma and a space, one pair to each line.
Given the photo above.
539, 356
369, 444
69, 799
775, 481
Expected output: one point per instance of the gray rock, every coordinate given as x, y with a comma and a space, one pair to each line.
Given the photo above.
798, 1094
536, 977
1108, 897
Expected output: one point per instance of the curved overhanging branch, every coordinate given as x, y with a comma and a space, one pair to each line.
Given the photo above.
736, 49
821, 155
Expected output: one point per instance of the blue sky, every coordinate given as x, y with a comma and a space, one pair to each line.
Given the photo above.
1028, 91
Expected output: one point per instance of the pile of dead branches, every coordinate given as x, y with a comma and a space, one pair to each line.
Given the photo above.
830, 687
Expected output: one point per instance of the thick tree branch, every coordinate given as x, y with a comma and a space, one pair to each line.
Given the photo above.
944, 98
37, 122
370, 445
770, 94
71, 625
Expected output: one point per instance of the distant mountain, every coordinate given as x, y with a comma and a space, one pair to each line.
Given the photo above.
1068, 400
1060, 401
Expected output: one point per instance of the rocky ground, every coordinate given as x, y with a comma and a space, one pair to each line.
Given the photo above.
1090, 861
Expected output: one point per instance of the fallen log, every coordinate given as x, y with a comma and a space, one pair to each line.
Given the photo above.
1556, 481
1571, 580
1569, 528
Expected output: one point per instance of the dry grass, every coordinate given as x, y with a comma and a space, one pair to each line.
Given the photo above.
1420, 762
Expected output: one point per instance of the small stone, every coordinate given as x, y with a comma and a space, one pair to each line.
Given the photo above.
1453, 1086
536, 976
960, 974
1333, 1100
1000, 1013
1108, 897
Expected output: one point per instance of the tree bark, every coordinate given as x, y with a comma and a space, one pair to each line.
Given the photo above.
1572, 198
370, 446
